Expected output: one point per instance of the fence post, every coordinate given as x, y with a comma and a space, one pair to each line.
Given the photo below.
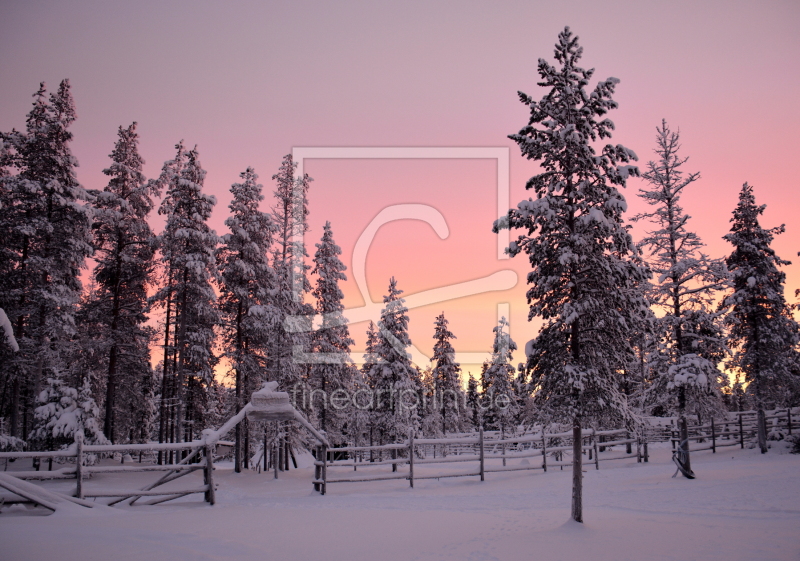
324, 468
480, 450
79, 463
741, 431
209, 474
713, 437
317, 468
596, 453
789, 419
411, 457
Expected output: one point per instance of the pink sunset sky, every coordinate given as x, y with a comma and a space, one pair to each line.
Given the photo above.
250, 81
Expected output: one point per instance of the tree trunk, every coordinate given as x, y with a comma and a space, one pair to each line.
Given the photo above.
683, 431
762, 430
237, 460
577, 471
162, 417
111, 392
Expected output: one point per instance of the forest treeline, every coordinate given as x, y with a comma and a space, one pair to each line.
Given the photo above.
630, 328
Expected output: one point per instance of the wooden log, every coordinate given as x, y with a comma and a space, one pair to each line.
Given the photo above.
210, 495
137, 494
164, 479
167, 498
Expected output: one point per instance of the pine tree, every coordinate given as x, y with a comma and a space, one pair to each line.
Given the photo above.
248, 285
187, 247
584, 263
446, 377
124, 254
690, 339
762, 331
498, 395
392, 373
331, 379
474, 403
45, 225
290, 215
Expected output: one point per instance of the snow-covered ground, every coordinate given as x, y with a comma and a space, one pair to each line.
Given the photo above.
742, 506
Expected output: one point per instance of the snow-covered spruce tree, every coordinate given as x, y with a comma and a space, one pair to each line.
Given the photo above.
46, 239
393, 376
290, 213
473, 408
761, 330
63, 412
446, 376
247, 293
331, 379
683, 367
499, 402
187, 246
366, 399
124, 255
585, 267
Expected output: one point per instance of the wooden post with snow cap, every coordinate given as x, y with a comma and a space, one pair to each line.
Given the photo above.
79, 463
208, 474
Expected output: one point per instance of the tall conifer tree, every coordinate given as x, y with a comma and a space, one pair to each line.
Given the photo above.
247, 292
690, 339
393, 376
187, 247
124, 254
585, 267
762, 332
446, 374
46, 227
331, 379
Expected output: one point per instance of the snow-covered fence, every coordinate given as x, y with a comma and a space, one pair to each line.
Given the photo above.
200, 456
412, 459
739, 427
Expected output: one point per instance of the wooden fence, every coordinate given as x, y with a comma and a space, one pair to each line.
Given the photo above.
490, 452
737, 428
199, 456
483, 455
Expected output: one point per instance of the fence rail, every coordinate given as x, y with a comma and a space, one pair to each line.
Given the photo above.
488, 449
199, 456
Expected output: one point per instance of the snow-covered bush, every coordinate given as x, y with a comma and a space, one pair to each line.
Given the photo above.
64, 411
11, 443
795, 441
